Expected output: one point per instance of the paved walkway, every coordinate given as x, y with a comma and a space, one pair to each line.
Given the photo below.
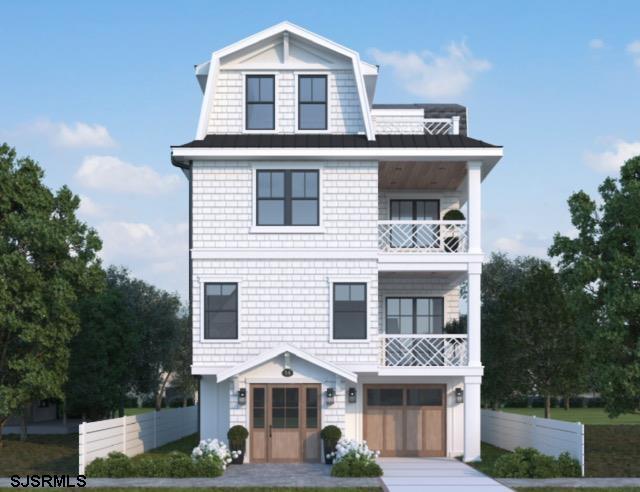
442, 474
571, 483
247, 475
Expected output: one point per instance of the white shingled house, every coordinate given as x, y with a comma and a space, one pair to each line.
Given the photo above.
329, 239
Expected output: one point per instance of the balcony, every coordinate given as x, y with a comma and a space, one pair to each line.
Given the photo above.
424, 350
423, 236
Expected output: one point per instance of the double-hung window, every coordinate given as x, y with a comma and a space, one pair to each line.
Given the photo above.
287, 198
260, 102
415, 315
349, 311
312, 102
220, 311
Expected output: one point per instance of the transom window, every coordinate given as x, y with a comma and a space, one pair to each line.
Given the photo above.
415, 315
221, 311
349, 311
312, 102
260, 101
287, 198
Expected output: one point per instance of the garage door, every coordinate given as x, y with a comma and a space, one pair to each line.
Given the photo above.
405, 420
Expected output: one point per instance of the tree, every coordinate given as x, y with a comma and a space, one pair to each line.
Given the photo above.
47, 259
547, 339
184, 381
601, 266
501, 356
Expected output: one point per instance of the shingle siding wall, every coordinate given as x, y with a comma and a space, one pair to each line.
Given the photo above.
223, 207
285, 301
345, 115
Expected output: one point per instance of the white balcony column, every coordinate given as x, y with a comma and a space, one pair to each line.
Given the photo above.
472, 418
474, 313
474, 194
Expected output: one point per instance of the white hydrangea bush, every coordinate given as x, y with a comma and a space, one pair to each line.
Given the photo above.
355, 449
213, 448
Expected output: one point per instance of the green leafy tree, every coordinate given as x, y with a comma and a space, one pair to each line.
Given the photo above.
601, 267
184, 382
47, 259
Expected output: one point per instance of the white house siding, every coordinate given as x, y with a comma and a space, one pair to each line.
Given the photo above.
285, 301
223, 207
448, 200
214, 408
419, 285
344, 113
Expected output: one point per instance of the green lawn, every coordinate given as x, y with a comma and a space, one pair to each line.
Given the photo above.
587, 416
556, 489
39, 454
612, 450
136, 411
185, 445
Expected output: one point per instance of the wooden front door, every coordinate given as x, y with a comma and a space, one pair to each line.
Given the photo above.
405, 420
285, 423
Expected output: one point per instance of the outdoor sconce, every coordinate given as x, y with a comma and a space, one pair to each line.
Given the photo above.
242, 396
351, 394
287, 372
459, 395
331, 396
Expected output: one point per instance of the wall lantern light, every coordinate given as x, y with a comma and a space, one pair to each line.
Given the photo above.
331, 396
242, 396
352, 395
287, 372
459, 395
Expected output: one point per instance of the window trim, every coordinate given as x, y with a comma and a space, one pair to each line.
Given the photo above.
414, 316
201, 309
299, 102
285, 229
296, 125
276, 79
368, 303
288, 197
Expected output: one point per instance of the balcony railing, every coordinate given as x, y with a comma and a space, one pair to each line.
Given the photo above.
424, 350
423, 236
410, 125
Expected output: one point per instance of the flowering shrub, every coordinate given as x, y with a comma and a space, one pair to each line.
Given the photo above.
215, 452
355, 459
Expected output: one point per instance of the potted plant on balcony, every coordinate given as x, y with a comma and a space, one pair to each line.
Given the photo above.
452, 238
237, 436
330, 436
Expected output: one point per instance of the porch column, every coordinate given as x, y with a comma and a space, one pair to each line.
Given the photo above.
472, 418
474, 178
474, 314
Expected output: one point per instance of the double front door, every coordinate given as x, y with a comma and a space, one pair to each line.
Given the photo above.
285, 423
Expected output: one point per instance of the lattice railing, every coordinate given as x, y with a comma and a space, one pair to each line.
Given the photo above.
423, 236
430, 126
424, 350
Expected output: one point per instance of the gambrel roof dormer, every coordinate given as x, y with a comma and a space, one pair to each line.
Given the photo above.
286, 47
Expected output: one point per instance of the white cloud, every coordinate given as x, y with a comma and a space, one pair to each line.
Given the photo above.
430, 75
155, 253
633, 49
596, 44
523, 244
112, 174
88, 208
611, 160
77, 135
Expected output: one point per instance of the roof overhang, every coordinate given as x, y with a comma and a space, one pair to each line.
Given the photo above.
281, 349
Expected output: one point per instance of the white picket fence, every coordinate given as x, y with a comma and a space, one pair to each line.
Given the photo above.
509, 431
134, 435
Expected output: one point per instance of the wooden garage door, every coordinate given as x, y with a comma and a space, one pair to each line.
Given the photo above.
405, 420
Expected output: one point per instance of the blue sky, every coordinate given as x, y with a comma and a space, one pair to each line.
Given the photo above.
99, 91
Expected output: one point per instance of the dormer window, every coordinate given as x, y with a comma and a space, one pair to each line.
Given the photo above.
260, 102
312, 102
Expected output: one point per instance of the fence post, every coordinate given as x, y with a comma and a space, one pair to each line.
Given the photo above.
83, 448
581, 447
124, 434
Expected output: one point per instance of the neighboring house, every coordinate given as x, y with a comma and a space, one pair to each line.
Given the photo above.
322, 272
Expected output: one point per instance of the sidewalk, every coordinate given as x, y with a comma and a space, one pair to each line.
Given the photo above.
570, 483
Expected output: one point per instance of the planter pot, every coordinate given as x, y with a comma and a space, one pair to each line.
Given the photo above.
238, 447
329, 448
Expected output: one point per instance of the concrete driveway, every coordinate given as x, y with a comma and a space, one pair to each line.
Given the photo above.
443, 474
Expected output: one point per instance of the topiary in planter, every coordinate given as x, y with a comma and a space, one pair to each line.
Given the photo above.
452, 241
237, 436
330, 436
